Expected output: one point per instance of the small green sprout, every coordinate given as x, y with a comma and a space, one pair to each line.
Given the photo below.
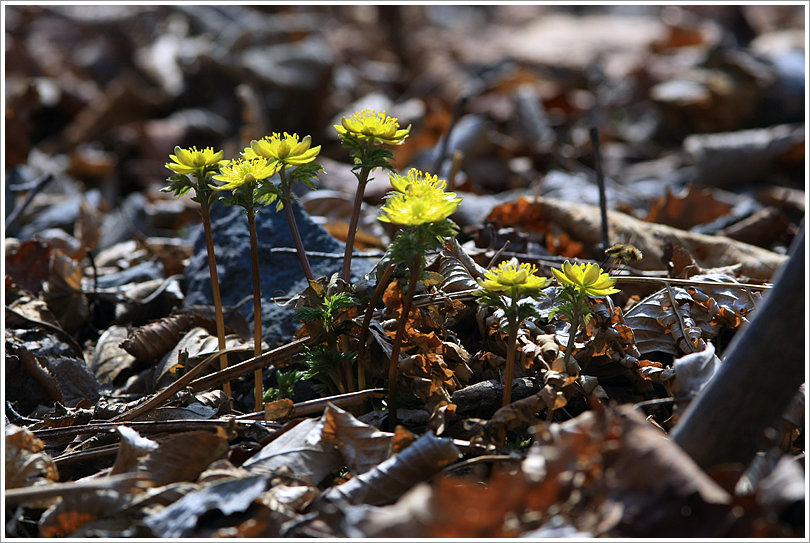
327, 363
503, 288
286, 382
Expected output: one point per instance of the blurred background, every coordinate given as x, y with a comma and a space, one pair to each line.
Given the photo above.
99, 95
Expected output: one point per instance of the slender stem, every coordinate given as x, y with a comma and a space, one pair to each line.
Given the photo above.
257, 309
382, 283
511, 351
362, 180
286, 201
572, 334
600, 181
205, 212
403, 320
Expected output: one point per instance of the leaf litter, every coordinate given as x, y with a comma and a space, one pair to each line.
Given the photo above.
116, 424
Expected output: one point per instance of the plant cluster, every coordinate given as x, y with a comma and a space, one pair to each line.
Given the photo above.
418, 203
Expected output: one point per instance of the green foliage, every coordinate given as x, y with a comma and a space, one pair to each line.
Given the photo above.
329, 311
286, 382
181, 184
365, 156
266, 193
322, 362
417, 240
243, 196
519, 443
574, 304
306, 174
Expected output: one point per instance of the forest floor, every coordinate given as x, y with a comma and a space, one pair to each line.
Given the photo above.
672, 156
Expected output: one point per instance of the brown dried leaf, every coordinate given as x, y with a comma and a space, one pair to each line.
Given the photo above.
301, 451
363, 446
152, 341
72, 512
656, 482
692, 207
398, 474
109, 358
25, 463
520, 413
183, 457
229, 496
63, 292
441, 416
465, 509
278, 410
705, 311
29, 265
582, 222
131, 447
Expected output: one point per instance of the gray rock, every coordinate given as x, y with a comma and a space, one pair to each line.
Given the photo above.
280, 271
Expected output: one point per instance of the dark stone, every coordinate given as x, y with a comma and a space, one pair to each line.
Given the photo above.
280, 272
140, 273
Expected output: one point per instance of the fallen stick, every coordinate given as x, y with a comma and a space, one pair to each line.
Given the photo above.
763, 368
249, 366
122, 483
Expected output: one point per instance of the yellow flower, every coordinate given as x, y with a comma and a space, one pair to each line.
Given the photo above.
192, 161
419, 199
507, 276
373, 126
285, 149
239, 172
417, 181
587, 278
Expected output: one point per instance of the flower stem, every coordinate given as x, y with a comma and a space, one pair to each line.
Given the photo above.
511, 351
257, 309
205, 213
362, 180
572, 334
286, 201
382, 283
394, 363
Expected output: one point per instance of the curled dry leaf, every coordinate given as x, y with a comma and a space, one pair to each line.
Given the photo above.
699, 313
152, 341
518, 414
582, 222
389, 480
131, 447
661, 488
694, 371
72, 512
228, 496
301, 451
25, 463
183, 457
363, 446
